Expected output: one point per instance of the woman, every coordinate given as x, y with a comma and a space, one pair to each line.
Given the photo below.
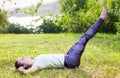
70, 60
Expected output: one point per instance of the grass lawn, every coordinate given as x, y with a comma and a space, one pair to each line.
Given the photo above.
101, 58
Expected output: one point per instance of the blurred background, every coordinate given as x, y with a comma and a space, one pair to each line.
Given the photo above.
55, 16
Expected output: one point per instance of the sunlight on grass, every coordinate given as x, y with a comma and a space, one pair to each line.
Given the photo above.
101, 58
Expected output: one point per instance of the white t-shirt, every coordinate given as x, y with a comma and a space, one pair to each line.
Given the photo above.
49, 61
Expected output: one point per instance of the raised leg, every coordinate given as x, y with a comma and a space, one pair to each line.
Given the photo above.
72, 58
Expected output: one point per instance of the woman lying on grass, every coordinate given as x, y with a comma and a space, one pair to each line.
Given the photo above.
70, 60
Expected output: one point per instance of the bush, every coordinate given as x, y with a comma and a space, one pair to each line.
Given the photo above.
70, 19
79, 15
117, 24
48, 26
16, 28
114, 17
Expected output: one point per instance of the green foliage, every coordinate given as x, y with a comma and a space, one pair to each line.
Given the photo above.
112, 25
79, 15
72, 5
16, 28
117, 24
48, 26
71, 19
3, 21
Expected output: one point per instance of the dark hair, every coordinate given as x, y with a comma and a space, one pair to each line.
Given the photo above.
17, 64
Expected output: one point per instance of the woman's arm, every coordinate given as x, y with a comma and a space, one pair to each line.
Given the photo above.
30, 70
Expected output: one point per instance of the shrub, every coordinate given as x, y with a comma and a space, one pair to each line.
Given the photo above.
17, 28
114, 17
48, 26
79, 15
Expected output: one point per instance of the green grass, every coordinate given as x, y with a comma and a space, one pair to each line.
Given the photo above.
101, 58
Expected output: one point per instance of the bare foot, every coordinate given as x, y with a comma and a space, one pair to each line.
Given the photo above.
104, 14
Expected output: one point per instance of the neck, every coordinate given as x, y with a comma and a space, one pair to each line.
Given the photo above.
32, 62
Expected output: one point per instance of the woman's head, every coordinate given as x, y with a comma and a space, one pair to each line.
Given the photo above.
24, 62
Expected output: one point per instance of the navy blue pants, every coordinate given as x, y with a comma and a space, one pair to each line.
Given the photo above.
72, 58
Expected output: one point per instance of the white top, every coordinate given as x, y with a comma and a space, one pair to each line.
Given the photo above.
49, 61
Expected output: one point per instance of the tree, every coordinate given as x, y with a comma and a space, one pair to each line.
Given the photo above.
3, 21
79, 15
71, 19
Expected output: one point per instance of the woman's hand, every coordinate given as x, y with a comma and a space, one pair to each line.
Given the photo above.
30, 70
22, 70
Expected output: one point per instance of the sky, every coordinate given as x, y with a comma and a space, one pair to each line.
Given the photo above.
21, 3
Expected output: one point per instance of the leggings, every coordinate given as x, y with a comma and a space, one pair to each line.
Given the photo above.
72, 58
